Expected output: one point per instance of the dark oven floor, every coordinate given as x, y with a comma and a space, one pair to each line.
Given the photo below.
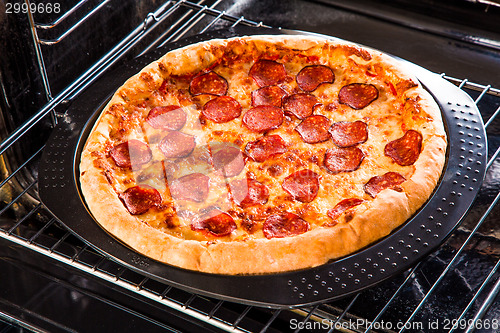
63, 294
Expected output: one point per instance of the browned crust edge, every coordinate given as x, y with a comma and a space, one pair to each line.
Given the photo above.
374, 220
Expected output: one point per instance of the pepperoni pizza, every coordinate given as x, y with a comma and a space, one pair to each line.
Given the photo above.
262, 154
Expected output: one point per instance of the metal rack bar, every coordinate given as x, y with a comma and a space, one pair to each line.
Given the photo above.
215, 308
111, 58
275, 315
89, 76
73, 27
476, 295
231, 18
141, 284
210, 316
183, 29
393, 297
22, 166
306, 318
493, 158
217, 18
41, 230
201, 10
18, 223
450, 264
13, 201
119, 275
189, 301
241, 316
346, 310
492, 117
75, 257
165, 292
59, 241
168, 32
102, 260
465, 84
483, 92
484, 307
150, 16
61, 18
127, 286
319, 315
39, 59
241, 19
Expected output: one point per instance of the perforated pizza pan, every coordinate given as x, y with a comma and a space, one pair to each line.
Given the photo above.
426, 230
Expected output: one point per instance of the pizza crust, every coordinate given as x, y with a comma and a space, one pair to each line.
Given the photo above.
373, 220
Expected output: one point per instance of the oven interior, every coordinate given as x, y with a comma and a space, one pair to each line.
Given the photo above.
52, 281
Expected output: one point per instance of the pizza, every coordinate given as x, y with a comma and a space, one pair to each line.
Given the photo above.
262, 154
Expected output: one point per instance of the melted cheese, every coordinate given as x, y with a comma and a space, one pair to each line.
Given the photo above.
387, 118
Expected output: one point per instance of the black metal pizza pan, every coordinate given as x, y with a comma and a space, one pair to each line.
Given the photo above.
427, 229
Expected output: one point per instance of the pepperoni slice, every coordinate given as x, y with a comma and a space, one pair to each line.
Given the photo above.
263, 118
379, 183
177, 144
267, 72
248, 192
302, 185
342, 206
209, 83
347, 134
222, 109
358, 95
170, 117
311, 77
229, 160
265, 147
300, 105
139, 199
343, 159
269, 95
193, 187
314, 129
216, 222
284, 225
405, 150
131, 153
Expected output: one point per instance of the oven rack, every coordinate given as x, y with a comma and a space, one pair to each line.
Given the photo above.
51, 240
192, 13
34, 228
